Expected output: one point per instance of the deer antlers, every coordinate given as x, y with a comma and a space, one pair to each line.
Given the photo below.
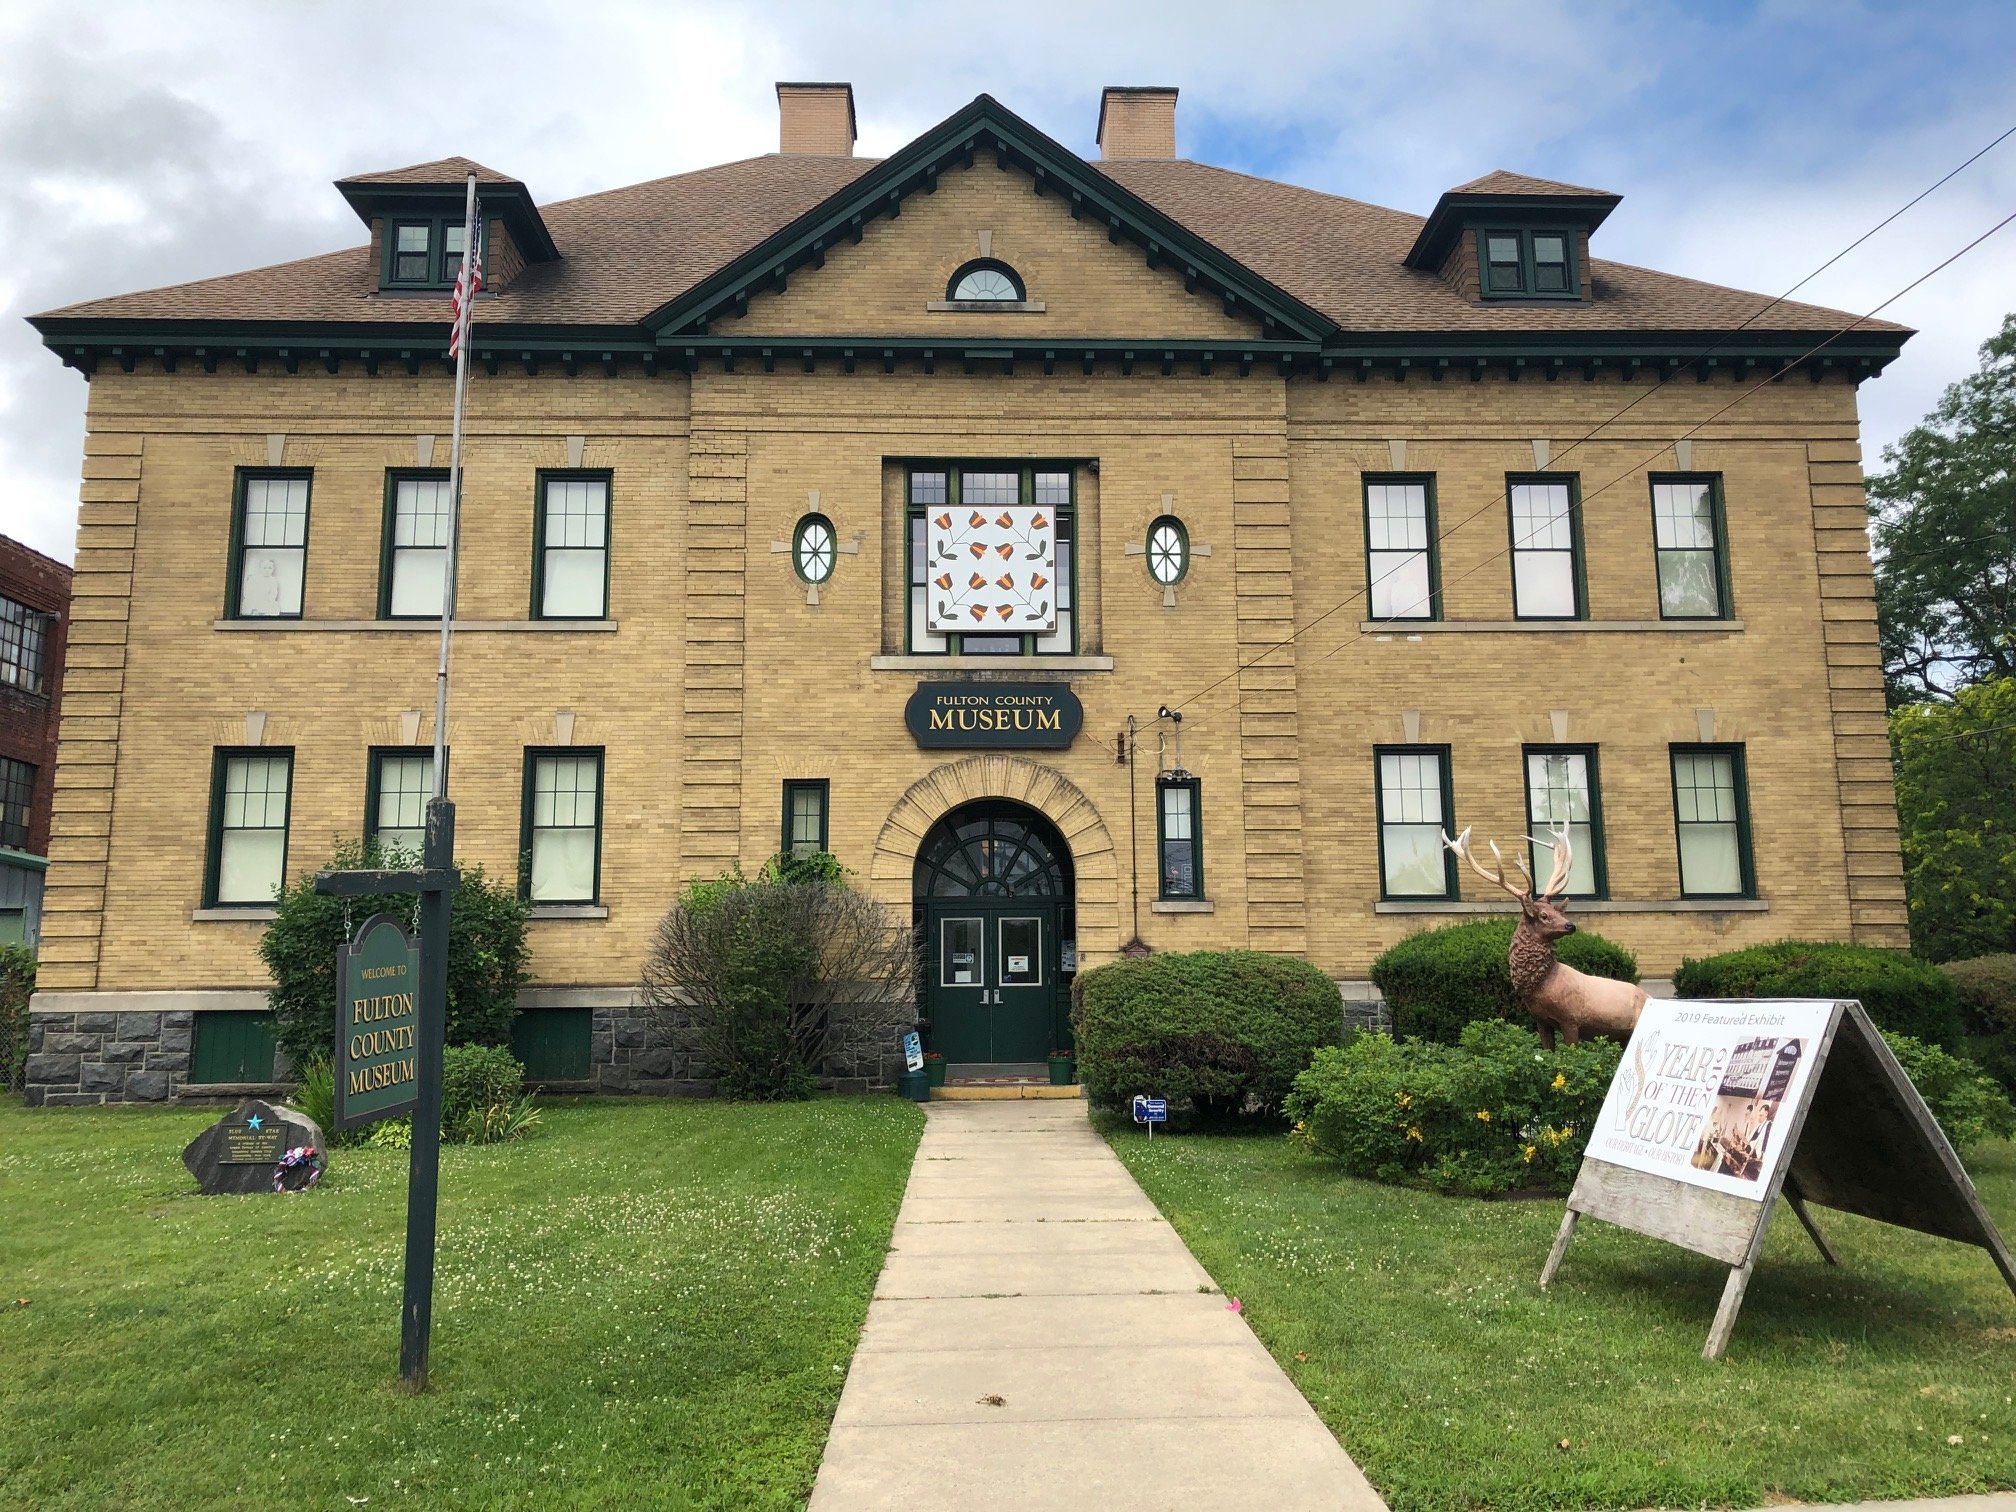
1557, 877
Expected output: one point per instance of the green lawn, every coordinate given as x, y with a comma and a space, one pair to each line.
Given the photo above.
1416, 1326
644, 1303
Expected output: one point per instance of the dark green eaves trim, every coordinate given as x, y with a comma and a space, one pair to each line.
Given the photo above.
509, 202
1456, 213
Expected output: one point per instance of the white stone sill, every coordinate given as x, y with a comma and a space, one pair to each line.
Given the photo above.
254, 914
569, 911
1586, 906
1019, 665
1182, 906
422, 626
985, 306
1387, 628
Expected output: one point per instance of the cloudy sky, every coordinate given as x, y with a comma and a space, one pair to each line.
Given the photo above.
147, 144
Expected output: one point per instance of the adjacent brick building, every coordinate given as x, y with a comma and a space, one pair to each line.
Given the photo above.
1417, 523
34, 611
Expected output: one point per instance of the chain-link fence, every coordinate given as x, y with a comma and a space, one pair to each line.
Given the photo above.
17, 981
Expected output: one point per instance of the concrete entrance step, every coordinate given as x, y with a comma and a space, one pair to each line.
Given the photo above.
1002, 1090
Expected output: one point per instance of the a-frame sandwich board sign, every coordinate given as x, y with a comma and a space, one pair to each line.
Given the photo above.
1719, 1107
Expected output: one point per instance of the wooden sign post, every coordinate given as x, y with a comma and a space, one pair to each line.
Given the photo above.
1719, 1108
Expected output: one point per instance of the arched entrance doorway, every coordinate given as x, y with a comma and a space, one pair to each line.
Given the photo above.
994, 898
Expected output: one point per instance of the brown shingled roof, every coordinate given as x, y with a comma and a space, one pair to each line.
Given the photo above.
448, 170
1500, 182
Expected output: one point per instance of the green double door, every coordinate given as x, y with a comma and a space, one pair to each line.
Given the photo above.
991, 977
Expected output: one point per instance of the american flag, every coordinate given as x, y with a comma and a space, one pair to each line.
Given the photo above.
467, 283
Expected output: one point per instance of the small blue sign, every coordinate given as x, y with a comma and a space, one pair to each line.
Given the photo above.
913, 1052
1151, 1110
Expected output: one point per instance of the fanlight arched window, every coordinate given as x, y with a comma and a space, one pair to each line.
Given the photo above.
986, 282
993, 850
812, 548
1168, 550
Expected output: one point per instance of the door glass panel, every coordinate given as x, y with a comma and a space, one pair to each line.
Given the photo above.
1021, 952
959, 947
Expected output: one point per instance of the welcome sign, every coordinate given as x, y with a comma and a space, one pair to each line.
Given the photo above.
1705, 1090
377, 1024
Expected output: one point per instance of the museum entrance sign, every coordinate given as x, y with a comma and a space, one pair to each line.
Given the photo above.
1719, 1107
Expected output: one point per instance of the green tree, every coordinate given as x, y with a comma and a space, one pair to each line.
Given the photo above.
1956, 806
1945, 535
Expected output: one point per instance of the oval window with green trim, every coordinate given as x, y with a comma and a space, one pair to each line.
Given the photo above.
1168, 550
812, 548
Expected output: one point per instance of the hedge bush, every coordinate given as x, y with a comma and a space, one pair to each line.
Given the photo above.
1492, 1113
1968, 1104
1986, 987
482, 1101
1223, 1031
488, 959
17, 985
1440, 980
1903, 996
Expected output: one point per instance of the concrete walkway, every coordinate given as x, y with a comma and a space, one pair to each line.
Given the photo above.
1041, 1338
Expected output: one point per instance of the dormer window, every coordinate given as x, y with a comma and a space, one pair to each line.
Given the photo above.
424, 254
1528, 265
985, 282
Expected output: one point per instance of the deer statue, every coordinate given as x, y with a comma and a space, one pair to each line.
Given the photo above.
1561, 999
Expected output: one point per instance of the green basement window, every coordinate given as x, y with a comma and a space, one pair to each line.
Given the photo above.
249, 796
813, 546
1168, 551
23, 636
414, 572
1711, 811
553, 1044
232, 1047
1179, 836
1401, 570
1688, 535
423, 253
805, 804
1528, 264
1415, 804
571, 547
269, 545
17, 798
562, 828
1561, 789
976, 486
1546, 548
395, 804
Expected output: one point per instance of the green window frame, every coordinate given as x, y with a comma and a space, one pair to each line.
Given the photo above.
1179, 837
1552, 783
815, 549
17, 801
232, 1046
24, 640
807, 816
1690, 546
268, 573
413, 557
423, 252
932, 485
1408, 808
1403, 563
398, 782
251, 799
1546, 552
1528, 262
560, 825
1711, 813
570, 544
1168, 550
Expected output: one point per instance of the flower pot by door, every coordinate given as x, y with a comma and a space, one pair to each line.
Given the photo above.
1061, 1067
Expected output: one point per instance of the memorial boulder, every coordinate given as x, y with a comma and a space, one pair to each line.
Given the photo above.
243, 1151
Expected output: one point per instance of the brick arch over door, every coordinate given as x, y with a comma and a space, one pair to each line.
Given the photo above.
1042, 788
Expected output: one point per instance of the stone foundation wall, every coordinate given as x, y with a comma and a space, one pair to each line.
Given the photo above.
80, 1058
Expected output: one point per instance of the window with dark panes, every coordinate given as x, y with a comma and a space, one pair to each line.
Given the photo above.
1687, 537
976, 487
1550, 263
248, 825
412, 252
805, 817
1400, 565
1504, 267
416, 553
1527, 264
1561, 789
401, 783
272, 536
1712, 815
1413, 803
17, 797
1180, 836
572, 547
23, 638
1546, 575
562, 838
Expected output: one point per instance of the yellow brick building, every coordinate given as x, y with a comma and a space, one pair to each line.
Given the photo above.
1415, 523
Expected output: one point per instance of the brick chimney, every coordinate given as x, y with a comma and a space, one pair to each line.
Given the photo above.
1137, 121
817, 119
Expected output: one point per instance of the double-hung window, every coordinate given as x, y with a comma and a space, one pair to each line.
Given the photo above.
1546, 547
933, 489
415, 570
249, 792
1414, 812
562, 829
1179, 836
1561, 789
424, 253
1400, 566
805, 817
269, 535
1528, 265
395, 813
570, 575
17, 798
23, 638
1711, 811
1687, 535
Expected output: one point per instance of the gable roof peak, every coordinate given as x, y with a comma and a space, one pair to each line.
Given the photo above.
1503, 181
448, 170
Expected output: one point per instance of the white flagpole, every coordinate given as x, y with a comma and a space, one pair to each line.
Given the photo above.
469, 246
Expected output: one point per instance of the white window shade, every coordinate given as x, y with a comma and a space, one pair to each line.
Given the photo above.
991, 569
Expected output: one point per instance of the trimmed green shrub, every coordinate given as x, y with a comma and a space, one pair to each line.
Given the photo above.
1987, 989
17, 984
1969, 1105
482, 1096
488, 959
1491, 1113
1903, 996
1225, 1031
1439, 980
